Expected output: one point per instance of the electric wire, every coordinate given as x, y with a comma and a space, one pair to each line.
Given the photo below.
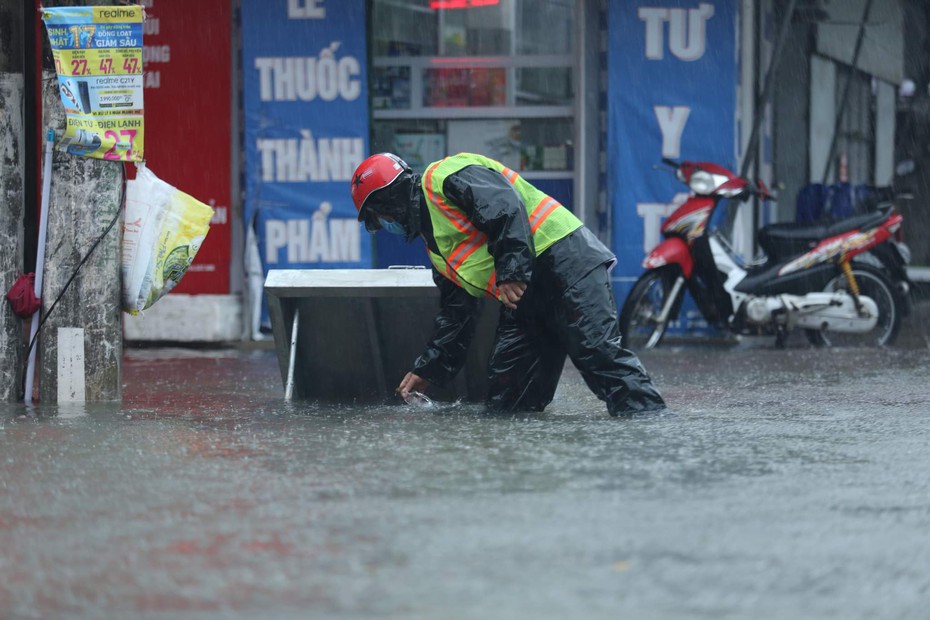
119, 212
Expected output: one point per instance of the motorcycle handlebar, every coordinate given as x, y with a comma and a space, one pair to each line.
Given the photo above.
757, 189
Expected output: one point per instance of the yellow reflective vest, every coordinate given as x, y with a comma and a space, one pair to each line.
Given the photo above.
463, 254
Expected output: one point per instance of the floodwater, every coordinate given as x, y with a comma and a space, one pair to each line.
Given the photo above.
780, 484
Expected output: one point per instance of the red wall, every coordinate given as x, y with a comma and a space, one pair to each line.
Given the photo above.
187, 119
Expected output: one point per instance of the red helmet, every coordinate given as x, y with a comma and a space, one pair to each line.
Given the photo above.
376, 172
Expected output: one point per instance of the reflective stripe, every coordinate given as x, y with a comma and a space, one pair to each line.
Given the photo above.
465, 249
543, 210
510, 174
445, 270
456, 217
463, 256
451, 275
442, 267
492, 285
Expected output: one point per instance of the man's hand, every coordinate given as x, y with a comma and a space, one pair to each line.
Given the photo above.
412, 383
511, 293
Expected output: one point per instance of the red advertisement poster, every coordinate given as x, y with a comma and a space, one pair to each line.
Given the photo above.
187, 119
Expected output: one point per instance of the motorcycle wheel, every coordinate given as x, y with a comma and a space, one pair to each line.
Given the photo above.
873, 284
638, 324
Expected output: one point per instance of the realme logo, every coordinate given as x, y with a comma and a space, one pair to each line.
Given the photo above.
117, 13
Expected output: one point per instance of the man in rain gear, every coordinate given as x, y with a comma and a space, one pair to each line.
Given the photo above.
490, 233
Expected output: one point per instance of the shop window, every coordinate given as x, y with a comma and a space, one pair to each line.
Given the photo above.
855, 141
494, 77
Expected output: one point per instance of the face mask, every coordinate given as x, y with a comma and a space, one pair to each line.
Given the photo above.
394, 227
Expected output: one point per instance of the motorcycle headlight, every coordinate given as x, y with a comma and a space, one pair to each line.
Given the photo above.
702, 182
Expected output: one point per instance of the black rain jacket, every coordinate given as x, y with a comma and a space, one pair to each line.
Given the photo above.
495, 208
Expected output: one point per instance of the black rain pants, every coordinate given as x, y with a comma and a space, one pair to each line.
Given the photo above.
580, 321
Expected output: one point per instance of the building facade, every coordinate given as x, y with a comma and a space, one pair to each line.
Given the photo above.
275, 102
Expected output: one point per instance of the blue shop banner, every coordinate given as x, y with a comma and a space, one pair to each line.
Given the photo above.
672, 89
305, 98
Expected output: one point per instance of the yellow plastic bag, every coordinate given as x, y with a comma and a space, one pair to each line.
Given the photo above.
163, 228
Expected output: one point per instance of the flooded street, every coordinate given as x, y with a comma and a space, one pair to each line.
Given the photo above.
781, 484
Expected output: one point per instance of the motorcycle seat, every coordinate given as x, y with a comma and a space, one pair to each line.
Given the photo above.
785, 239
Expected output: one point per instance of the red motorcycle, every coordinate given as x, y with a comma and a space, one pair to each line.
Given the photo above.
842, 282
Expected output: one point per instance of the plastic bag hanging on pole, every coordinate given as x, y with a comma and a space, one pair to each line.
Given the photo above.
98, 58
22, 296
163, 228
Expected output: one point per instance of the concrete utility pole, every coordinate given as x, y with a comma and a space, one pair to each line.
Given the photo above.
11, 193
84, 334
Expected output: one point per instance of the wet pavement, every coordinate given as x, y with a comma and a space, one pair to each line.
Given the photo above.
781, 484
